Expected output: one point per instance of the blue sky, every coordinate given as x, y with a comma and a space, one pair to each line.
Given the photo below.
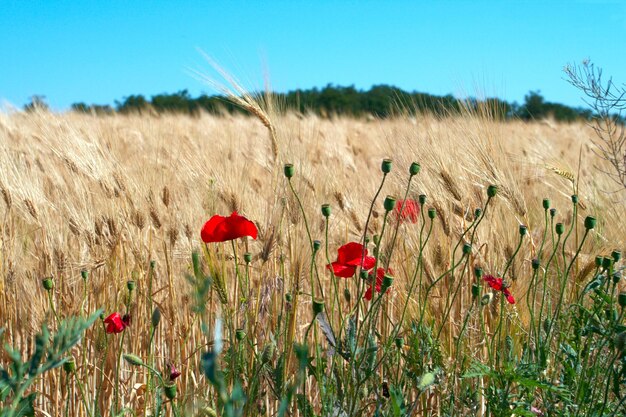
100, 51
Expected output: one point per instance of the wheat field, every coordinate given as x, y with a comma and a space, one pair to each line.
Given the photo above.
110, 194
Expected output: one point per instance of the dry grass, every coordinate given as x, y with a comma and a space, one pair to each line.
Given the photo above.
110, 194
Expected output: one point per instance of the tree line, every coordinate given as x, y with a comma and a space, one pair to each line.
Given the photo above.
379, 101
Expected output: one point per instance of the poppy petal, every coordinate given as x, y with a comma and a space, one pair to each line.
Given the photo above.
341, 270
508, 295
221, 229
368, 294
368, 263
350, 253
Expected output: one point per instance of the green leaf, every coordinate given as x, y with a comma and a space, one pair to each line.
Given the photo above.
25, 406
426, 380
477, 370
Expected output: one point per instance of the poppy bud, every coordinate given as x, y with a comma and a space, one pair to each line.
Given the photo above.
389, 203
477, 213
399, 342
288, 170
156, 317
617, 255
170, 391
288, 297
133, 359
546, 325
130, 285
240, 334
84, 274
318, 306
559, 228
478, 271
487, 298
326, 210
546, 203
598, 261
367, 240
346, 294
621, 299
152, 265
414, 169
607, 262
535, 264
386, 166
69, 365
467, 249
522, 230
247, 257
552, 212
48, 283
376, 240
421, 199
575, 199
387, 281
617, 277
317, 245
590, 222
475, 290
432, 213
363, 274
492, 190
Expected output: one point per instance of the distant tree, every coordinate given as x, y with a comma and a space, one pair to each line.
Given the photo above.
80, 107
37, 102
533, 107
133, 103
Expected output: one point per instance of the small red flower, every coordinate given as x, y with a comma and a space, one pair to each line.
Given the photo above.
380, 274
221, 229
348, 258
407, 210
498, 285
174, 373
116, 323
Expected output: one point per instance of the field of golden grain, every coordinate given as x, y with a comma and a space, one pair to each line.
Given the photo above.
110, 194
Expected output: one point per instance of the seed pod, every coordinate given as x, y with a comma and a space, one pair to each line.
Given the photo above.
386, 166
156, 317
492, 190
170, 391
48, 283
546, 204
414, 169
590, 222
288, 170
326, 210
318, 306
559, 228
247, 257
389, 203
69, 365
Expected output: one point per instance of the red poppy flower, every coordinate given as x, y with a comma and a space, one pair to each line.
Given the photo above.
380, 274
498, 285
174, 373
116, 323
221, 229
348, 258
407, 210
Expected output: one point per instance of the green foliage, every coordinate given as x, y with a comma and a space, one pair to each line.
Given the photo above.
19, 375
379, 101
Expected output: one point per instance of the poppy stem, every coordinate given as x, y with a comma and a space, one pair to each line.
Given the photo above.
399, 217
